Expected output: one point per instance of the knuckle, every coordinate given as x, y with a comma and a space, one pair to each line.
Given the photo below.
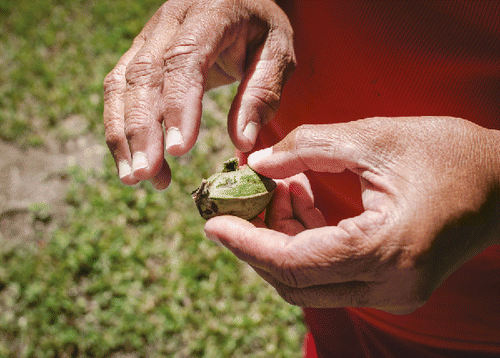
356, 236
269, 97
113, 137
144, 70
137, 121
184, 67
304, 130
283, 48
175, 10
184, 54
135, 126
113, 131
112, 83
266, 101
304, 137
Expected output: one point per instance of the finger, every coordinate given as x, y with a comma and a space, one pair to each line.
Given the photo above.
320, 148
348, 252
186, 59
279, 213
352, 251
143, 99
192, 65
297, 262
302, 199
259, 93
258, 246
258, 222
114, 92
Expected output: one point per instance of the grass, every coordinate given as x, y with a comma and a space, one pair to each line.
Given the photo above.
128, 271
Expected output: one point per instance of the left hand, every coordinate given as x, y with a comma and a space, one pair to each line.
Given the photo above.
185, 49
430, 194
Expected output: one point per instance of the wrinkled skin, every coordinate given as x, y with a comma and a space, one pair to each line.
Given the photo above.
189, 47
429, 185
430, 194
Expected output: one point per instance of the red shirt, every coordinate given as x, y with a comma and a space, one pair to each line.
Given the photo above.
366, 59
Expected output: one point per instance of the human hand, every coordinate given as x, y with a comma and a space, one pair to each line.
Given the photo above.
188, 47
430, 195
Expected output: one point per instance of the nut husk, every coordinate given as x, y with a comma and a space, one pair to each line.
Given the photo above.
238, 191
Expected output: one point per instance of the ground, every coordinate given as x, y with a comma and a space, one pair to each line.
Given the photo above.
35, 180
82, 251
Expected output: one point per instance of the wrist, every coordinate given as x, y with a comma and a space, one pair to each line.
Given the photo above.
495, 153
493, 162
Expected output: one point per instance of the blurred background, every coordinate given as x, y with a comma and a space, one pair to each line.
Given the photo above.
88, 266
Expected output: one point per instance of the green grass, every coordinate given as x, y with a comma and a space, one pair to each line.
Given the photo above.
55, 55
128, 270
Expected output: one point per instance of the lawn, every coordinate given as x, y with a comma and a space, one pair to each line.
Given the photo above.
127, 272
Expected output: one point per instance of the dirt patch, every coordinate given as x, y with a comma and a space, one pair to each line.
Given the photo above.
33, 182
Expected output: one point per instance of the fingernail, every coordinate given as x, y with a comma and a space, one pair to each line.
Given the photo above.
213, 238
174, 137
257, 156
124, 169
251, 131
139, 161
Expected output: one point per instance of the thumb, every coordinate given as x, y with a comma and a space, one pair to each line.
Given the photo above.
329, 148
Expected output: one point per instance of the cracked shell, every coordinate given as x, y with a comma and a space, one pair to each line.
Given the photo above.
238, 191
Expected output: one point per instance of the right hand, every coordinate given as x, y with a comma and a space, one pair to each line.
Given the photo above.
188, 47
431, 197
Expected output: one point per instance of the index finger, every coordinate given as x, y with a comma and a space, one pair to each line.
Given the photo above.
319, 256
245, 240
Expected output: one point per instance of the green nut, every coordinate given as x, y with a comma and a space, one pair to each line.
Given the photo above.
234, 191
